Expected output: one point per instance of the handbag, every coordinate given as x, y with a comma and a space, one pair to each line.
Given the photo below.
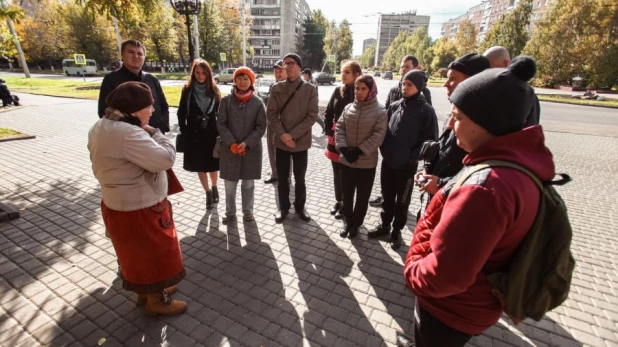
173, 184
216, 151
180, 143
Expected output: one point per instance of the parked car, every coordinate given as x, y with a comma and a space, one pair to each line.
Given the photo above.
262, 86
377, 74
225, 76
388, 75
323, 78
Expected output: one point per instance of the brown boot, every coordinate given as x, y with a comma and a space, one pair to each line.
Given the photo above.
162, 303
142, 298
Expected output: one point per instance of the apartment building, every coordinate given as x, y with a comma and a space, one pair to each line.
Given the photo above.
277, 30
368, 43
390, 25
486, 14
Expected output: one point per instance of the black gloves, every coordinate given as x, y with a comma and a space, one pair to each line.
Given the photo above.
351, 155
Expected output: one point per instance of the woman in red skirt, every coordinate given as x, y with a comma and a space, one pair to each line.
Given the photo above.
130, 159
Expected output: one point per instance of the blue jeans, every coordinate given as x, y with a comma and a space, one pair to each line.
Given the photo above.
246, 191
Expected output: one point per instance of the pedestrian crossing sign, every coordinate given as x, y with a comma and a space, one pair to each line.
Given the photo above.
80, 59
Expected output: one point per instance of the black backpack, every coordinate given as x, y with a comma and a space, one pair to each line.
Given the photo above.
538, 277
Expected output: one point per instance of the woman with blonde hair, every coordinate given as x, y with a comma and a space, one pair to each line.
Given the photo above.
342, 96
197, 119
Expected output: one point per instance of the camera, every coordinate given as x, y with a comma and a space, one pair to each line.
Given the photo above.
429, 150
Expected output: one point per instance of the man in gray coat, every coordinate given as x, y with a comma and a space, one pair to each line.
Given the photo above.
292, 110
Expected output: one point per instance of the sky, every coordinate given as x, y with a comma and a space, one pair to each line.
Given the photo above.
362, 14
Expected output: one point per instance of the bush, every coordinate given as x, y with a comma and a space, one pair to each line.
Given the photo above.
441, 73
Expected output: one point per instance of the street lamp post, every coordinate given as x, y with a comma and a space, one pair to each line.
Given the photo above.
188, 8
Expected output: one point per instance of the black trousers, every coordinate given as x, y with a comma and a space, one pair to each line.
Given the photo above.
359, 181
337, 179
431, 332
397, 186
299, 163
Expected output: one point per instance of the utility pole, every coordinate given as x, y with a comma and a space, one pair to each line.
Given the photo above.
118, 38
244, 32
196, 34
378, 41
22, 59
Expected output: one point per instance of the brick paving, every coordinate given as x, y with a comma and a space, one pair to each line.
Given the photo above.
259, 283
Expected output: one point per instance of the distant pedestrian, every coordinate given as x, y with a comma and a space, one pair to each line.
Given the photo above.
280, 75
5, 95
358, 136
341, 97
411, 122
197, 119
241, 123
292, 111
130, 159
133, 57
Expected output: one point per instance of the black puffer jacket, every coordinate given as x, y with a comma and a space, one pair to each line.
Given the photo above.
335, 106
448, 162
411, 122
395, 94
160, 117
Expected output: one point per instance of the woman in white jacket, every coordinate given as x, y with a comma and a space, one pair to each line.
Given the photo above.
358, 136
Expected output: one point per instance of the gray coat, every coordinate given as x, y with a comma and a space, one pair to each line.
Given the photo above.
239, 123
362, 125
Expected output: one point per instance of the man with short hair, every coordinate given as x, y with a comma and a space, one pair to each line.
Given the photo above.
292, 110
408, 63
280, 75
133, 57
499, 57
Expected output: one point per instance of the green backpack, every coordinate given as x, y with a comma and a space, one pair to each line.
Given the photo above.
538, 277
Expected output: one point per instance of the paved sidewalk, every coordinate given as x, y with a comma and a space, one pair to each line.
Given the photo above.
254, 284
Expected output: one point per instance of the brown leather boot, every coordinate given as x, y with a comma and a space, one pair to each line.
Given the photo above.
142, 298
162, 303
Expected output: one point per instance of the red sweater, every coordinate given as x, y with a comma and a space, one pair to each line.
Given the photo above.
478, 225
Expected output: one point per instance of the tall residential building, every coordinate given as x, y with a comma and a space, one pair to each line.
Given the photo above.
368, 43
390, 25
486, 14
277, 30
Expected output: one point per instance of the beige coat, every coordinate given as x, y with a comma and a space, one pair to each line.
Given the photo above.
298, 117
362, 125
129, 164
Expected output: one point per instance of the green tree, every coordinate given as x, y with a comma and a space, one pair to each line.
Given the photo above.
121, 9
313, 42
210, 31
91, 34
576, 38
444, 52
465, 39
511, 30
396, 51
369, 56
161, 34
330, 44
417, 45
344, 42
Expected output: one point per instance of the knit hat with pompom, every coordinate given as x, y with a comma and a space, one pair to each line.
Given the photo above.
499, 100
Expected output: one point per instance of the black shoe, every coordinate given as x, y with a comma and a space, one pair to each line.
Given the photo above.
209, 204
215, 195
271, 180
379, 231
376, 202
345, 229
404, 341
280, 215
339, 214
353, 232
303, 214
396, 239
336, 208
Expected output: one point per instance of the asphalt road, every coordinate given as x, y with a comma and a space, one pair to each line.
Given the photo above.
556, 117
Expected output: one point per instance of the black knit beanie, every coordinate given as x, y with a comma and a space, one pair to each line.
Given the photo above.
296, 58
418, 78
499, 100
470, 64
130, 97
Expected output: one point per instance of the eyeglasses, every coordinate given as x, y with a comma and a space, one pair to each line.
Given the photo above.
290, 64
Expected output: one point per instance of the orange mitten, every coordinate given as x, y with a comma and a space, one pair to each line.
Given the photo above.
234, 148
242, 152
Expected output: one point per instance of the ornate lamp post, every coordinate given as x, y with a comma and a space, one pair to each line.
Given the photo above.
188, 8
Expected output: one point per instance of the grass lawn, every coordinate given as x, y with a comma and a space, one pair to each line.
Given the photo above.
5, 132
569, 100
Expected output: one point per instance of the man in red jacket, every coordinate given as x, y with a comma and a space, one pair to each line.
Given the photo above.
475, 229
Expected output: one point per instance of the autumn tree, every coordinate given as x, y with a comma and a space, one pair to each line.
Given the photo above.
394, 52
511, 30
369, 56
161, 35
313, 42
344, 42
465, 38
210, 28
444, 52
417, 45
